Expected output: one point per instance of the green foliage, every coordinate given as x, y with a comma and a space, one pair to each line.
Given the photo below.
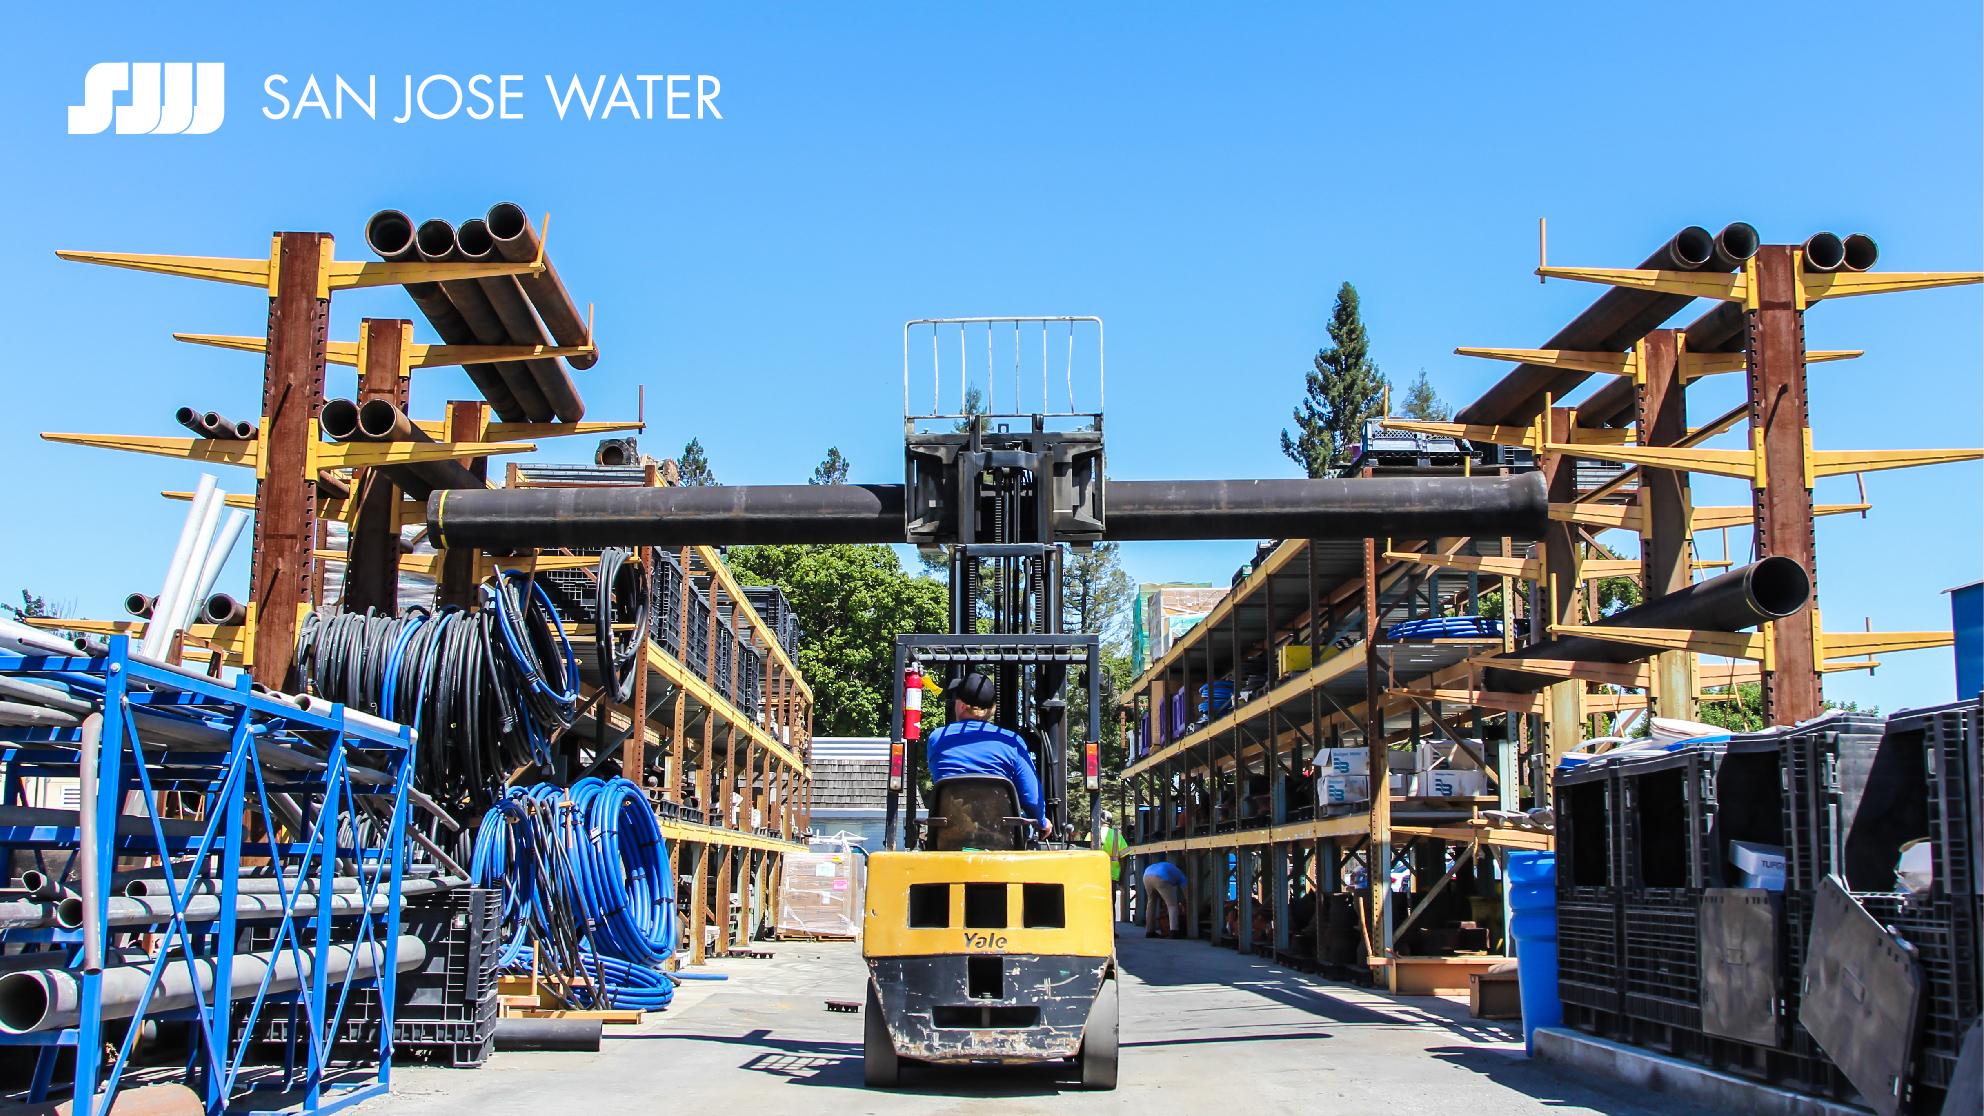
852, 602
1617, 594
1745, 713
1423, 403
1096, 593
1344, 390
974, 404
832, 470
695, 466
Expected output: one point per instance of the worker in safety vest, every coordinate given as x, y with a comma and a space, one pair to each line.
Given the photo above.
1164, 889
1114, 844
972, 745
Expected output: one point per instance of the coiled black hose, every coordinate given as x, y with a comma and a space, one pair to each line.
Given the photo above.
486, 691
622, 601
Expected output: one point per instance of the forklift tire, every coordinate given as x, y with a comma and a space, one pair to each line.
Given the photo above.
1098, 1054
880, 1068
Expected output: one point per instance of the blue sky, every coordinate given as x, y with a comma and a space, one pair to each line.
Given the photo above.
1200, 177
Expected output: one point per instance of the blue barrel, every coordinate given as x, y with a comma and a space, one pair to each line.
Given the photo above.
1532, 884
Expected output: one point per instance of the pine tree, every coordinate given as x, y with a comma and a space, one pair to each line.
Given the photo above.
695, 466
832, 470
1423, 403
1344, 390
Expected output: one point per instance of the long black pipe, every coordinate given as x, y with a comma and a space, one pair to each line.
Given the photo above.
390, 234
1401, 507
1613, 321
571, 1035
506, 298
1770, 589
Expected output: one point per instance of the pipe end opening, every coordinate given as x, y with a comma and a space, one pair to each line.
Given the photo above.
1692, 247
507, 221
1739, 240
1779, 585
1824, 251
389, 232
1859, 252
24, 1002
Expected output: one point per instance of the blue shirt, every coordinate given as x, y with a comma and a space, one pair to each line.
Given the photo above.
982, 748
1166, 871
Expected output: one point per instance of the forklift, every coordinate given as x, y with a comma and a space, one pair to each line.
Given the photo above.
986, 943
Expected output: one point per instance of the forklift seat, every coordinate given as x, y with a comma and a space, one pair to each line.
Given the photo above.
975, 812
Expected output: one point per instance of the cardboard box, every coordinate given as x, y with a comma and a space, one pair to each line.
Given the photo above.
1411, 760
1450, 783
1338, 790
1758, 865
1343, 761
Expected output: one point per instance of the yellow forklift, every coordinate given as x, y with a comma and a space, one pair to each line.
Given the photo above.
987, 944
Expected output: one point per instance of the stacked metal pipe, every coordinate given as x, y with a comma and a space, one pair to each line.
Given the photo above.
1721, 329
495, 310
1615, 320
377, 420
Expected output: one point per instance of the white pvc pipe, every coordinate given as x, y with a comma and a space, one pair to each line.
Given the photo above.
182, 556
186, 604
216, 558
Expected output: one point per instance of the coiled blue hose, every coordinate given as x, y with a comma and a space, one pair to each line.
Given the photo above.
589, 859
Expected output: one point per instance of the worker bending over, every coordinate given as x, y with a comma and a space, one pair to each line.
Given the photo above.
1164, 888
972, 745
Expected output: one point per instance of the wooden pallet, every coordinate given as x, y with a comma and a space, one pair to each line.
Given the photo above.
535, 996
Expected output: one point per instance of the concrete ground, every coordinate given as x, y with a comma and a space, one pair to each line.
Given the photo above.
1204, 1031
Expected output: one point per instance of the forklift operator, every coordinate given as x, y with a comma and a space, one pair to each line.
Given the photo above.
972, 745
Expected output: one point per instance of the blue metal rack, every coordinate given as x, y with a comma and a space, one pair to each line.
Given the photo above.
203, 777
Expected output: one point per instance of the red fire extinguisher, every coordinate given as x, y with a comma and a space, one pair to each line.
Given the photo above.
912, 704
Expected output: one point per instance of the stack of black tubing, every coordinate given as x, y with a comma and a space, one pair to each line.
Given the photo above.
587, 889
486, 691
623, 605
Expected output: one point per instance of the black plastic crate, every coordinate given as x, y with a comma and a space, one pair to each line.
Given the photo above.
1590, 853
574, 593
463, 933
665, 606
1666, 809
1661, 956
698, 657
1841, 780
1933, 927
1949, 738
1590, 948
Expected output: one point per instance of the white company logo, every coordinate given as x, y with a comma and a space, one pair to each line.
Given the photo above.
167, 99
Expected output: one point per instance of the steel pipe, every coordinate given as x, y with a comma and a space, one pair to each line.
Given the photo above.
435, 241
390, 234
189, 418
1859, 252
218, 426
1613, 321
509, 226
224, 610
1824, 252
16, 714
377, 420
89, 863
210, 567
1401, 507
34, 1000
249, 906
1770, 589
506, 298
26, 914
42, 887
571, 1035
150, 884
140, 605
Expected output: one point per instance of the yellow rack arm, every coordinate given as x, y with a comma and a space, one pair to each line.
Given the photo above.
353, 454
1842, 284
1498, 435
232, 638
429, 565
516, 431
1611, 364
1841, 645
417, 356
1694, 366
217, 269
213, 451
234, 499
1730, 645
1832, 463
1638, 676
1743, 464
1694, 284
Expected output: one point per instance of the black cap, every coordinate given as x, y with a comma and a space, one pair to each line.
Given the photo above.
975, 690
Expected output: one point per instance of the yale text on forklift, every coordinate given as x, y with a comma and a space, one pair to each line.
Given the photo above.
498, 97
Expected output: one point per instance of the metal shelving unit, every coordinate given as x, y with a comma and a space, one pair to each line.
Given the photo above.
214, 784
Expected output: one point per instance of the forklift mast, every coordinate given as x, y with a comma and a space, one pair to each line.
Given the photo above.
1003, 501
